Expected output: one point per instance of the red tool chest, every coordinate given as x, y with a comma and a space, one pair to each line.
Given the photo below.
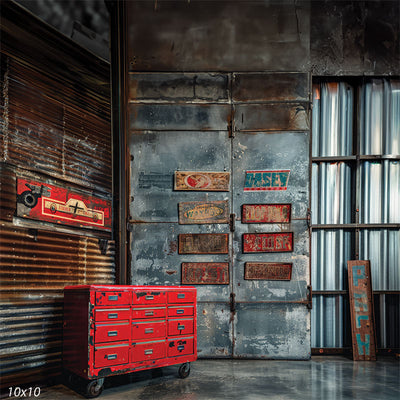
110, 330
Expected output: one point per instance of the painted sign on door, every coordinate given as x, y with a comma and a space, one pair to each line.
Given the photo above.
268, 271
266, 213
205, 273
266, 180
267, 242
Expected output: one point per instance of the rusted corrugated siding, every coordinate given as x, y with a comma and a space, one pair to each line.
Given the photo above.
35, 266
46, 133
55, 127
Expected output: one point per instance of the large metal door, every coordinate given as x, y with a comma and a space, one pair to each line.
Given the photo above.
188, 133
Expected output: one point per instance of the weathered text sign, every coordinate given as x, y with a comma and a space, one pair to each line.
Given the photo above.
268, 271
202, 181
266, 180
266, 213
206, 273
267, 242
203, 243
210, 212
44, 202
361, 310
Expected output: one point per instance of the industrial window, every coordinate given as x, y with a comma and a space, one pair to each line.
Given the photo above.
355, 204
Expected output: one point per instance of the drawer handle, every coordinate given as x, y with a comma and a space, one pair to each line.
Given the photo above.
181, 295
147, 352
181, 327
149, 297
180, 311
111, 356
112, 333
150, 330
147, 313
112, 298
180, 348
112, 316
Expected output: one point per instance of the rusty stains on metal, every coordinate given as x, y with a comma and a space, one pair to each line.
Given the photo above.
210, 212
7, 192
268, 271
202, 181
361, 310
268, 242
266, 213
203, 243
205, 273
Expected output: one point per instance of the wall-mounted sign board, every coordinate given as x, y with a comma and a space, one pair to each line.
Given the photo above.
266, 180
203, 243
361, 310
268, 271
44, 202
198, 212
266, 213
274, 242
202, 181
205, 273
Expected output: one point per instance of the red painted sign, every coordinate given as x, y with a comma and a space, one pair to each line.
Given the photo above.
45, 202
266, 213
268, 242
202, 181
206, 273
268, 271
266, 180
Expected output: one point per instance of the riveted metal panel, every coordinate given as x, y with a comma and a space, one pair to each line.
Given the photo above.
178, 117
271, 117
262, 87
195, 88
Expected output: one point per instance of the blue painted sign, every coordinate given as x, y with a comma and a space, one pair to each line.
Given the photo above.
266, 180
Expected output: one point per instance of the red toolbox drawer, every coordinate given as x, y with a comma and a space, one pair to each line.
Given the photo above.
180, 347
180, 311
148, 329
148, 312
107, 314
142, 351
181, 297
107, 332
149, 297
107, 355
180, 327
112, 298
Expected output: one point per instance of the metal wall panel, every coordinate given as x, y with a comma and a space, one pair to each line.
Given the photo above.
330, 251
224, 36
382, 248
380, 192
332, 119
330, 322
332, 194
380, 117
8, 185
35, 267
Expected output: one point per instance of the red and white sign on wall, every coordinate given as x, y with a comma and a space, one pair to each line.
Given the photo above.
49, 203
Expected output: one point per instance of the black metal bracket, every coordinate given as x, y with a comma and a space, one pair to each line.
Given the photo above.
232, 219
309, 297
232, 302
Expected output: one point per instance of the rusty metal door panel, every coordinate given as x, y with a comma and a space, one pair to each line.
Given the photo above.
205, 117
190, 87
155, 159
275, 87
271, 117
214, 332
272, 331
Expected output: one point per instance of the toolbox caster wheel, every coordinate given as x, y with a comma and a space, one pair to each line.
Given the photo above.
94, 388
184, 370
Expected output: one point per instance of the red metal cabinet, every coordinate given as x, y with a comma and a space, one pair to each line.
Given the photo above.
110, 330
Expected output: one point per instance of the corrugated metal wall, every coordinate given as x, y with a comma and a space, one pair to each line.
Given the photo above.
55, 120
355, 203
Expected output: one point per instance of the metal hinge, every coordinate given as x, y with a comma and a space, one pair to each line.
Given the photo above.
309, 297
232, 219
232, 302
230, 128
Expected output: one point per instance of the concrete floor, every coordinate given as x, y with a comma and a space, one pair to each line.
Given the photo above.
322, 378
